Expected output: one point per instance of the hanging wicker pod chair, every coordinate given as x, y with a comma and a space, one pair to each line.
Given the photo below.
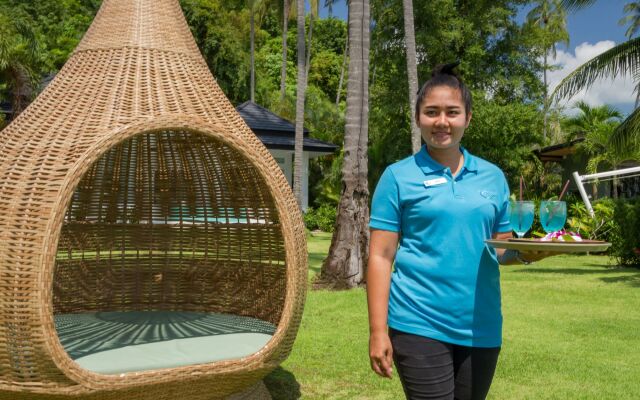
150, 247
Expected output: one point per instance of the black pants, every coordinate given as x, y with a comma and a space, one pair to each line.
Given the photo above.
430, 369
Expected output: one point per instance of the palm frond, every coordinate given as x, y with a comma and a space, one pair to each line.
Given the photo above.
623, 59
626, 138
572, 5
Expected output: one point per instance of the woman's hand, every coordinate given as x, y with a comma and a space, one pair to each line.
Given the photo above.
381, 354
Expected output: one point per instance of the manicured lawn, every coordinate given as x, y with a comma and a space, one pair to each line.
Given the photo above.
571, 331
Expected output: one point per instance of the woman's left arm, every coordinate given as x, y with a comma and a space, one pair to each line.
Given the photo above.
513, 257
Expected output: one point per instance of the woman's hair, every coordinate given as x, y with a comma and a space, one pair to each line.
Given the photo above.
443, 75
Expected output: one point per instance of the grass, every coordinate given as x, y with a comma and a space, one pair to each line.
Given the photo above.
571, 331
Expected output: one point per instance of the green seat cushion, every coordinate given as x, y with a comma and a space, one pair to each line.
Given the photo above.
119, 342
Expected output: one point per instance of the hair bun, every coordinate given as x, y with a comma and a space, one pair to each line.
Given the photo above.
445, 69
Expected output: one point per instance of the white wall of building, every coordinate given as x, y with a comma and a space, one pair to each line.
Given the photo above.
284, 158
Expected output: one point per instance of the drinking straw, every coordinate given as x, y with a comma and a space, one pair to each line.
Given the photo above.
520, 187
564, 189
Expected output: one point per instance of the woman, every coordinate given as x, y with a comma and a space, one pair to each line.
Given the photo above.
437, 314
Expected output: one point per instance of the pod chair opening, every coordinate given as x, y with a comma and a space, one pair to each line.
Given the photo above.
170, 254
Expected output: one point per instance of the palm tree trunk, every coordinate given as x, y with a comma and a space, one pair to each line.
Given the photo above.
21, 91
308, 62
301, 88
283, 71
344, 267
344, 64
546, 95
252, 54
412, 70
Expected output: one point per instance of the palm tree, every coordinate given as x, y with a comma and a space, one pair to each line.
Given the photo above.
550, 16
632, 18
412, 69
315, 11
344, 267
589, 117
329, 4
285, 29
300, 94
621, 60
19, 58
254, 5
344, 63
597, 124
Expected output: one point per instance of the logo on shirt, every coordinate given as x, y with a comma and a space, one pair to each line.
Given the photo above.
488, 194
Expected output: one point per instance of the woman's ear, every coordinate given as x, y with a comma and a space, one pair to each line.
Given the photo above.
468, 120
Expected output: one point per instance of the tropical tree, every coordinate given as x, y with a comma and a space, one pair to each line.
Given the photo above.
412, 69
300, 95
344, 267
589, 118
19, 58
550, 17
621, 60
285, 30
315, 11
632, 18
253, 6
596, 125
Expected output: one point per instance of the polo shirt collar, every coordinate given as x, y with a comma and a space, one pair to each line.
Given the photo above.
428, 165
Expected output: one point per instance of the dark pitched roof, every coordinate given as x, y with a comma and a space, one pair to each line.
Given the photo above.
558, 152
276, 132
260, 119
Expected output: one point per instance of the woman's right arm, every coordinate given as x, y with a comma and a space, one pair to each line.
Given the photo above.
382, 251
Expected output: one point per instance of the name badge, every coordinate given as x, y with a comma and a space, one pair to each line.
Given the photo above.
435, 182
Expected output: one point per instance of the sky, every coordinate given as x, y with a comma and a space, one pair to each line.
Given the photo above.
592, 31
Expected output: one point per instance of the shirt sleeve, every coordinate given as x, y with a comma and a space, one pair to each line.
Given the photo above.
503, 223
385, 205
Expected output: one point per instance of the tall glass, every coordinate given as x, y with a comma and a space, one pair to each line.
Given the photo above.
522, 216
553, 215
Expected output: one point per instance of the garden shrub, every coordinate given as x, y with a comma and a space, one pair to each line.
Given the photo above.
322, 218
600, 227
626, 236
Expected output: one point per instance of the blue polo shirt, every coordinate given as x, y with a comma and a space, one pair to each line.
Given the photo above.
446, 280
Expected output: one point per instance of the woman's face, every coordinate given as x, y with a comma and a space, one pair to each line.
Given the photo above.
443, 119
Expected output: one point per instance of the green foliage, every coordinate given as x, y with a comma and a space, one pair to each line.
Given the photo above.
322, 218
221, 33
497, 62
626, 237
504, 134
599, 227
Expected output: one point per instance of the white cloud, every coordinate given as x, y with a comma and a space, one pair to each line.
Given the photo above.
617, 91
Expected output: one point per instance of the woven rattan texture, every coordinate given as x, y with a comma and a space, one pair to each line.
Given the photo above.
131, 183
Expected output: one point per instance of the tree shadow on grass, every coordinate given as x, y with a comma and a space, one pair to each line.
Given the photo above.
631, 276
282, 385
570, 271
631, 280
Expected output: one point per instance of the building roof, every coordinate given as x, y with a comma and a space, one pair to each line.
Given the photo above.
558, 152
260, 119
276, 132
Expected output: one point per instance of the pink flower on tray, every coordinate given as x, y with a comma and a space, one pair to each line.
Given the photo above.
562, 236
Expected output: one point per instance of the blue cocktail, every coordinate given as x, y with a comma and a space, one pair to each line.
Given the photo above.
553, 215
522, 216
